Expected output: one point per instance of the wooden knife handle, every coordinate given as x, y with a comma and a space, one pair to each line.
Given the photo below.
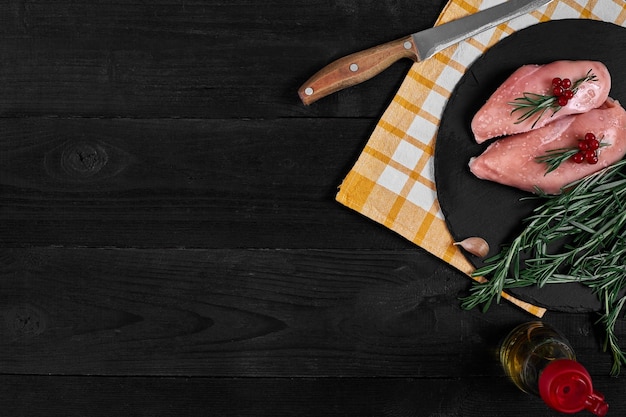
356, 68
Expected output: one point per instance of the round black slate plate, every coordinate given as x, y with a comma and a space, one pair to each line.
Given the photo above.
474, 207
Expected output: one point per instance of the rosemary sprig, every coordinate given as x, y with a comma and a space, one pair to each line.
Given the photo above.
608, 319
553, 158
533, 104
576, 236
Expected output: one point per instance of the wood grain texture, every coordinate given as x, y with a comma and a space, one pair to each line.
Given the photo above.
250, 313
192, 59
231, 313
169, 240
181, 183
393, 397
356, 68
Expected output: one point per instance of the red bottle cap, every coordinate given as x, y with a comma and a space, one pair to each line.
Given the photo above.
565, 385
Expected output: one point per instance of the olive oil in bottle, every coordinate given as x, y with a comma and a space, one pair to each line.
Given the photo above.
528, 349
540, 361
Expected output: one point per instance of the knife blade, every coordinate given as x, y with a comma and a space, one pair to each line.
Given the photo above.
361, 66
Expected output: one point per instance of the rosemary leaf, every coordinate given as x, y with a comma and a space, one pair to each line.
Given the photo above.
576, 236
532, 104
611, 343
555, 157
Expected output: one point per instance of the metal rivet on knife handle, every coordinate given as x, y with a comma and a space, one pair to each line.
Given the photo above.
356, 68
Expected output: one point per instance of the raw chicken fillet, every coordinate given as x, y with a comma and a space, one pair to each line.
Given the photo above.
495, 119
511, 160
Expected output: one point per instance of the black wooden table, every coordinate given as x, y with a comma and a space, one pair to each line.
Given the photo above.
170, 242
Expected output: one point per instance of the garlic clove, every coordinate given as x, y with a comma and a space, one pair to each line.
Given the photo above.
475, 245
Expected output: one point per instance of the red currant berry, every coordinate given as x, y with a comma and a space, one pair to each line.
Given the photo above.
578, 157
593, 144
583, 145
590, 153
593, 159
562, 101
568, 94
566, 83
556, 81
589, 136
557, 91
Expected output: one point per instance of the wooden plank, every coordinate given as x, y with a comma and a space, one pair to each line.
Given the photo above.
33, 396
250, 313
181, 183
172, 130
192, 59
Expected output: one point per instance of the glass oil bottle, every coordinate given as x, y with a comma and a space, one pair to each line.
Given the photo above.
540, 361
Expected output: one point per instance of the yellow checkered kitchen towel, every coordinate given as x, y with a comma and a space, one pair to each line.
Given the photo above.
392, 181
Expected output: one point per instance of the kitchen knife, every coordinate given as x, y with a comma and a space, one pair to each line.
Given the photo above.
361, 66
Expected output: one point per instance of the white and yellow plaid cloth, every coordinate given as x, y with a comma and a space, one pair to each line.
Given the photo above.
393, 180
